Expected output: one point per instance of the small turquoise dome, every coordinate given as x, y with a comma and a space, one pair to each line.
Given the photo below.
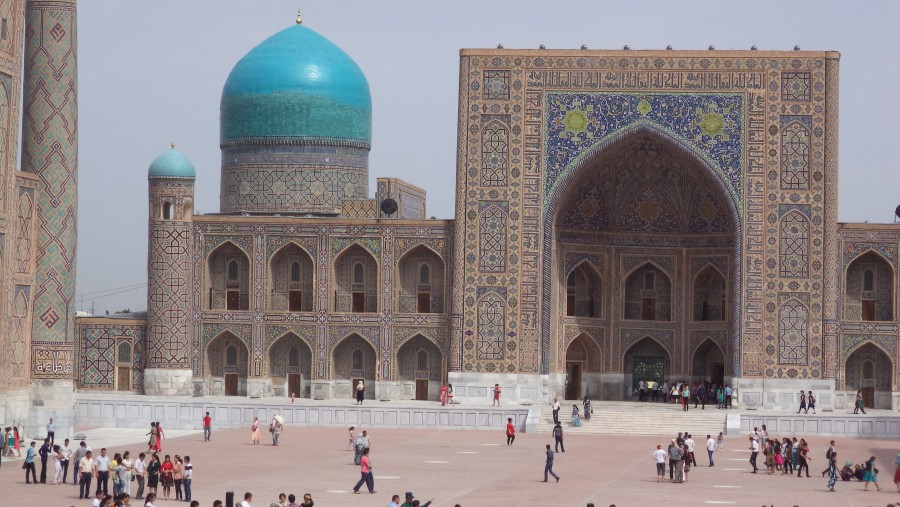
296, 83
172, 164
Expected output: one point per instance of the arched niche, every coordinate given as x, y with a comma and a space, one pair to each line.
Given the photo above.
708, 363
227, 278
356, 281
709, 295
646, 359
291, 275
869, 289
227, 365
648, 294
422, 288
584, 292
584, 359
290, 366
352, 360
870, 370
420, 364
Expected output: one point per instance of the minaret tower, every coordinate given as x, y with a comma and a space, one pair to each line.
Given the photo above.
50, 150
170, 249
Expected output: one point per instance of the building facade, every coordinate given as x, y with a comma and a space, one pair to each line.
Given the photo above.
667, 215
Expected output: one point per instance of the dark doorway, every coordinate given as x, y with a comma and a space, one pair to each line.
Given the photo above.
231, 384
647, 368
355, 382
233, 300
868, 309
648, 309
423, 304
294, 385
359, 302
717, 375
573, 381
295, 301
421, 389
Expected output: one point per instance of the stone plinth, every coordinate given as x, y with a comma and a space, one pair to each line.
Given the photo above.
168, 382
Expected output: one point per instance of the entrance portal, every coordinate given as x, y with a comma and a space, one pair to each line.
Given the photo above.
645, 360
708, 363
573, 381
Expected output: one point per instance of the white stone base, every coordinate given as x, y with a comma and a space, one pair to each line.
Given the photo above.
783, 394
14, 408
51, 398
478, 388
168, 382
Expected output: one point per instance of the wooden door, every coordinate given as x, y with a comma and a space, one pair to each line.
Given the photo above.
573, 382
233, 298
423, 304
123, 378
231, 384
295, 301
359, 303
648, 309
868, 394
294, 385
355, 382
868, 309
422, 389
570, 305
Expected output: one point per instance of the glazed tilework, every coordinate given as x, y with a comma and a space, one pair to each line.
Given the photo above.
98, 355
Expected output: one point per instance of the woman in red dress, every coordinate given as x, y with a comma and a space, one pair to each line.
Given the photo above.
167, 476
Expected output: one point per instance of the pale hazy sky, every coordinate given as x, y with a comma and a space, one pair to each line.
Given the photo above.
152, 73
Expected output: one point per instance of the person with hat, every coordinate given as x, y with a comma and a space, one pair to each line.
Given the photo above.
410, 502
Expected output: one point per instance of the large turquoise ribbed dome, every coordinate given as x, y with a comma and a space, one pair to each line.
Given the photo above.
296, 83
172, 164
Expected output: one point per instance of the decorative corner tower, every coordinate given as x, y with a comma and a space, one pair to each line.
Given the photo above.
170, 248
50, 150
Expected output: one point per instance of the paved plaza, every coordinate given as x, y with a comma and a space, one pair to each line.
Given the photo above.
474, 468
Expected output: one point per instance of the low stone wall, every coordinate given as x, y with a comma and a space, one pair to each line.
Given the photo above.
855, 426
188, 414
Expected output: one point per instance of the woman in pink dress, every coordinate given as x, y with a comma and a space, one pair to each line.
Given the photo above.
254, 431
443, 394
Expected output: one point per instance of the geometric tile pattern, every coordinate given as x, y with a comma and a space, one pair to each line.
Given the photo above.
492, 240
795, 147
793, 327
496, 84
795, 86
494, 154
794, 244
491, 329
49, 149
97, 347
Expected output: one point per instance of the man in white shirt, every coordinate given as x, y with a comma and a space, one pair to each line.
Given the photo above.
51, 432
660, 456
86, 472
555, 411
66, 452
689, 442
137, 469
98, 499
102, 464
754, 450
248, 497
710, 448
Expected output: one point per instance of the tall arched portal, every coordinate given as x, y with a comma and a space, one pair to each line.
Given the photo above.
656, 224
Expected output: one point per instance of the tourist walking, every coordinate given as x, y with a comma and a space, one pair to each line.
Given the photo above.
685, 398
66, 459
360, 447
871, 474
57, 465
556, 410
787, 454
254, 431
686, 460
588, 409
754, 451
576, 417
710, 448
659, 456
44, 453
674, 453
161, 435
548, 465
828, 454
450, 394
811, 402
138, 471
832, 471
558, 437
510, 431
858, 406
720, 441
443, 396
79, 454
86, 472
360, 392
366, 477
351, 443
803, 402
207, 427
803, 458
728, 393
689, 446
496, 395
153, 443
276, 427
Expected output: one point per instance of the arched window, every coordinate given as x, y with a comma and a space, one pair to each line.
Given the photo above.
868, 280
422, 360
124, 353
167, 211
649, 280
868, 370
233, 270
295, 271
357, 359
359, 273
293, 357
231, 354
424, 275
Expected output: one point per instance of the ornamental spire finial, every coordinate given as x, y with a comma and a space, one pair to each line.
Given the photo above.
299, 17
173, 145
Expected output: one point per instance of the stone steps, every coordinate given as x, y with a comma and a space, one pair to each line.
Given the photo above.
627, 418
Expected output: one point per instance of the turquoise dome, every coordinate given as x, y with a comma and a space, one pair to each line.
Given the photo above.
171, 164
296, 83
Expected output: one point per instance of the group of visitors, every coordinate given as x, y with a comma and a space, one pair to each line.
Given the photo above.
683, 393
576, 412
680, 456
447, 394
11, 442
807, 402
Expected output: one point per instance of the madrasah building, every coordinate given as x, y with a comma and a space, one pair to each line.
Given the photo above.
620, 214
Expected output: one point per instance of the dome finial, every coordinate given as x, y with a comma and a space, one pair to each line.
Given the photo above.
173, 145
299, 17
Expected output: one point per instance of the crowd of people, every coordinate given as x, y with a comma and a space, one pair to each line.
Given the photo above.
684, 393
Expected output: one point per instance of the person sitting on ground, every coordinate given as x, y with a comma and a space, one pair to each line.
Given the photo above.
847, 471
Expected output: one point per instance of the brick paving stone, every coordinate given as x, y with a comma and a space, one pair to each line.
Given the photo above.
467, 467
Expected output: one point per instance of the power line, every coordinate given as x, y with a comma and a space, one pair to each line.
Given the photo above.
115, 293
137, 285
